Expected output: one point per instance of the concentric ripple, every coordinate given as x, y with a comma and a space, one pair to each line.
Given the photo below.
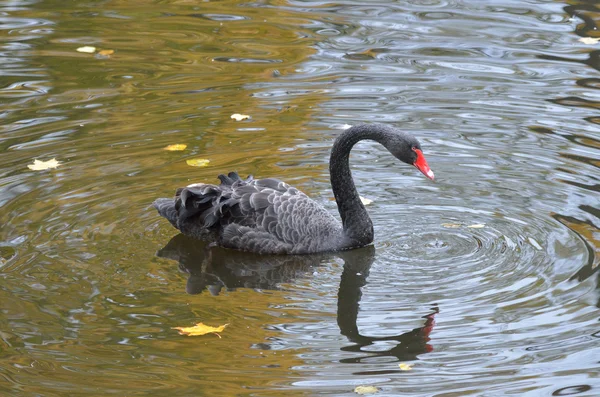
487, 257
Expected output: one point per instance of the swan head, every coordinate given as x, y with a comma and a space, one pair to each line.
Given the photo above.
407, 149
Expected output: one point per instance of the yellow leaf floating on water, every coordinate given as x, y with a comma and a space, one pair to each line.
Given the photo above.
365, 390
589, 40
198, 162
176, 147
200, 329
43, 165
405, 366
477, 226
239, 117
88, 49
365, 201
106, 53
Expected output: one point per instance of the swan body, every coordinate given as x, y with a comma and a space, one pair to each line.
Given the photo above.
268, 216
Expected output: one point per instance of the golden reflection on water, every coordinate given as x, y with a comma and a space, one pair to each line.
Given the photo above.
137, 351
88, 308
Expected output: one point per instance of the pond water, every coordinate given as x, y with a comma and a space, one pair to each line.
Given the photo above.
482, 283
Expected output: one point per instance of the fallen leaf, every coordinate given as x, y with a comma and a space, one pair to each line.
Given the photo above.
589, 40
405, 367
239, 117
477, 226
451, 225
365, 201
200, 329
87, 49
106, 52
43, 165
365, 390
176, 147
197, 162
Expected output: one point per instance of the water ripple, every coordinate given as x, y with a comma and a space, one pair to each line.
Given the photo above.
486, 280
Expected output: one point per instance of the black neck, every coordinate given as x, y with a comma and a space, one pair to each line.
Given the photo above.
355, 219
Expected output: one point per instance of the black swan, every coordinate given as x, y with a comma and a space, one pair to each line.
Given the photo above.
268, 216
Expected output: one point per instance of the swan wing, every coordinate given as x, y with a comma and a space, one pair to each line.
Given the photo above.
293, 222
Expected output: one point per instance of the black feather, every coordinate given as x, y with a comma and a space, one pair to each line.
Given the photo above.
247, 214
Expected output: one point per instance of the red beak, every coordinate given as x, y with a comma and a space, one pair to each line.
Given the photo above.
421, 164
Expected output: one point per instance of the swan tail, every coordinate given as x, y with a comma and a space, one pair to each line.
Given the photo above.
206, 205
166, 209
201, 208
200, 202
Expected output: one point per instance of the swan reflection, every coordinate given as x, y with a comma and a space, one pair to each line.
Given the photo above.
215, 269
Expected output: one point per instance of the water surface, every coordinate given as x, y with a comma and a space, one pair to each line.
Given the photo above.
485, 281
